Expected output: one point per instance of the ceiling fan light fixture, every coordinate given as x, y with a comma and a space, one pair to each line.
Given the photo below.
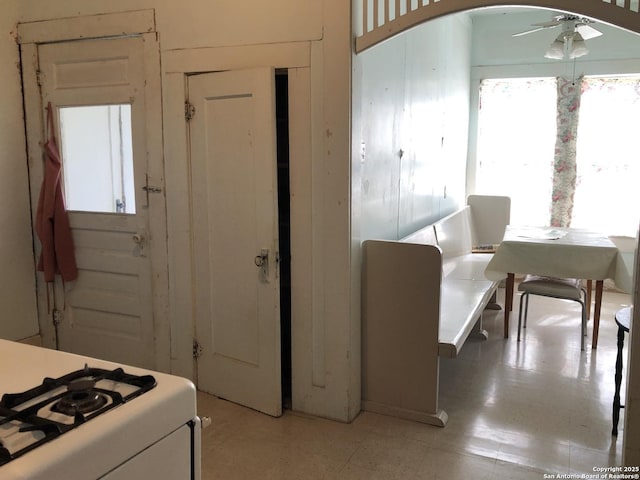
570, 44
556, 49
578, 47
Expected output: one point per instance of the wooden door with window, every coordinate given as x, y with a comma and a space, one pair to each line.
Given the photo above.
106, 101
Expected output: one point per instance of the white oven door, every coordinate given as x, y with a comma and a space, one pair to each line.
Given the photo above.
175, 457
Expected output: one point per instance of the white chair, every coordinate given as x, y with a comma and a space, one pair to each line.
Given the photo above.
491, 215
562, 288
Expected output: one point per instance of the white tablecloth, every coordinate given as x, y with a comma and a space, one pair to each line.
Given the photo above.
561, 252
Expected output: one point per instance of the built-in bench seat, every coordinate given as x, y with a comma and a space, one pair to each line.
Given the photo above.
423, 295
461, 307
455, 235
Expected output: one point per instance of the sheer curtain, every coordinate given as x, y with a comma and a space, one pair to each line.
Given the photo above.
516, 141
607, 195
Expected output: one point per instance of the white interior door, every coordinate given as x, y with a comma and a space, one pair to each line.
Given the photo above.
101, 92
235, 229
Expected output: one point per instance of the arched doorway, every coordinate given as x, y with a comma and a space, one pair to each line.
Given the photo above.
380, 21
389, 24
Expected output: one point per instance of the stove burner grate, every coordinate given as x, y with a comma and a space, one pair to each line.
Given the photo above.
81, 400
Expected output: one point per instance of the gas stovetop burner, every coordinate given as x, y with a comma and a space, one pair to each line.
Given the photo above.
43, 413
82, 398
82, 401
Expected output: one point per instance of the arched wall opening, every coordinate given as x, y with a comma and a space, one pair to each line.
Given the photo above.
386, 114
379, 20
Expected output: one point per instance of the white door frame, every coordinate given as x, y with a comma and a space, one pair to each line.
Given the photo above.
97, 26
177, 65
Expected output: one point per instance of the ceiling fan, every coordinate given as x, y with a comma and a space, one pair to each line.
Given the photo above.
570, 43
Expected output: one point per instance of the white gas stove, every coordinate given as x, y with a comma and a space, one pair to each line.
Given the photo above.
70, 417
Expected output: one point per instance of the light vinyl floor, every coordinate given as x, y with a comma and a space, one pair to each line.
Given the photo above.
516, 411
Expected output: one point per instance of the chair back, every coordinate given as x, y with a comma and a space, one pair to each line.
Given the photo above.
491, 214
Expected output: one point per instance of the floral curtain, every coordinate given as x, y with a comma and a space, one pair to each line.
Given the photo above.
564, 165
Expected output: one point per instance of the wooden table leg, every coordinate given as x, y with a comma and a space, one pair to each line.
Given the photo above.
596, 313
589, 289
508, 302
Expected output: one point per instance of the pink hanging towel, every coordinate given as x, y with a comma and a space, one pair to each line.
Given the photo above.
52, 221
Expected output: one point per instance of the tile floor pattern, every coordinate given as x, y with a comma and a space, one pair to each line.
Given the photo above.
516, 411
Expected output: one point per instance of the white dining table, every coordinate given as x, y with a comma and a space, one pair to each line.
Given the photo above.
561, 253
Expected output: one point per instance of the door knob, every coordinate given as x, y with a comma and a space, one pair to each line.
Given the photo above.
262, 262
139, 241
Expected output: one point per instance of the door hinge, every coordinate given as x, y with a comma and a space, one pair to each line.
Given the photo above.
197, 349
58, 316
189, 111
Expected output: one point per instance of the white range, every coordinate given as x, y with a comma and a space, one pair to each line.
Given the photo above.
70, 417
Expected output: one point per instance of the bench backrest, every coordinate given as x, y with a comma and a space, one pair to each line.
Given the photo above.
425, 236
454, 233
483, 221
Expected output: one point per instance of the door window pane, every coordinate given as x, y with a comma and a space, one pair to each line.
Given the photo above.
97, 158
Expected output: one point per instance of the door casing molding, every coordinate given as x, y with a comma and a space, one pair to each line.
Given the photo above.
177, 66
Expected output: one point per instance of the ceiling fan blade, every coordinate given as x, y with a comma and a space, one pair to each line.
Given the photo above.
587, 31
526, 32
551, 23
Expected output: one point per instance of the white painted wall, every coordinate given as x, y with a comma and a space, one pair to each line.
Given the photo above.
410, 124
17, 283
201, 23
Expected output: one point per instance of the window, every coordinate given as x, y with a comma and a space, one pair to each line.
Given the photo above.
607, 195
516, 141
97, 158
